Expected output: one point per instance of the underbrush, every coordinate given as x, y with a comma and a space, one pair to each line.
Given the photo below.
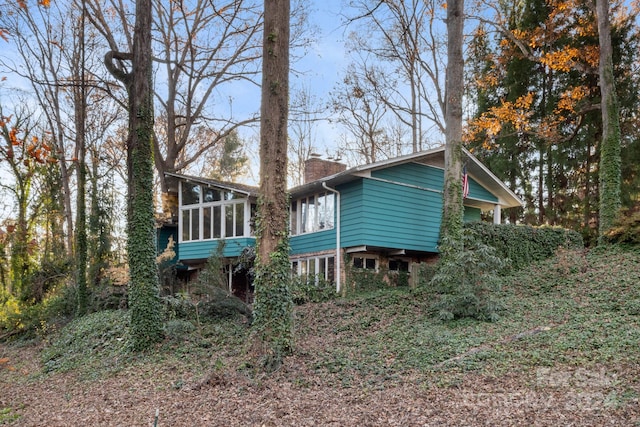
98, 344
577, 309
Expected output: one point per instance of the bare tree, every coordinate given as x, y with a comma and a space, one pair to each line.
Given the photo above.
201, 48
39, 35
403, 36
305, 112
363, 115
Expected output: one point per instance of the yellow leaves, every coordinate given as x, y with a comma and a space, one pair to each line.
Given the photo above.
570, 98
491, 123
591, 55
524, 102
561, 60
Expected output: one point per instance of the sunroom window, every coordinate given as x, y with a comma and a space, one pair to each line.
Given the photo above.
210, 213
312, 213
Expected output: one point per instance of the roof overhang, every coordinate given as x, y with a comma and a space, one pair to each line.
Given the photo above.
229, 186
435, 158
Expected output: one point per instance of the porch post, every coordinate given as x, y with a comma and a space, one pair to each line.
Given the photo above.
497, 216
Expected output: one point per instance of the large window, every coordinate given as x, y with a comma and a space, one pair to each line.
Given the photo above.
211, 213
315, 268
312, 213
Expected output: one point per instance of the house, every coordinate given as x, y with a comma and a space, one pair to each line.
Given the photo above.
383, 216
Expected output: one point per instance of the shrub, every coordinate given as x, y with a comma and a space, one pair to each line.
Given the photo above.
11, 313
96, 338
522, 244
178, 330
50, 275
305, 290
626, 229
466, 282
25, 318
360, 279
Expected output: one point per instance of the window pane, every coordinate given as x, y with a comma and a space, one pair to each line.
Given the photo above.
229, 195
331, 269
228, 221
371, 263
190, 193
294, 268
294, 217
329, 211
186, 216
358, 262
321, 206
398, 265
217, 222
312, 267
195, 224
322, 267
211, 195
252, 218
206, 223
311, 220
239, 219
303, 215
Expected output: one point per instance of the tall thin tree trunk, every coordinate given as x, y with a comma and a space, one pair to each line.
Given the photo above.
144, 298
274, 307
81, 206
453, 209
610, 162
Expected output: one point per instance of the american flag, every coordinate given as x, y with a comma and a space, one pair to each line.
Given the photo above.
465, 183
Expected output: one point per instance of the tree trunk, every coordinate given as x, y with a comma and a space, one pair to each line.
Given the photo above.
610, 149
144, 299
81, 206
274, 307
453, 209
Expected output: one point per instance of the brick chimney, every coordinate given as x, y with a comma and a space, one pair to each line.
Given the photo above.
316, 168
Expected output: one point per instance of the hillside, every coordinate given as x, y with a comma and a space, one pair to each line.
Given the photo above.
565, 352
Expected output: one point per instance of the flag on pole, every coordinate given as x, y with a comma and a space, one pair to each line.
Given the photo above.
465, 182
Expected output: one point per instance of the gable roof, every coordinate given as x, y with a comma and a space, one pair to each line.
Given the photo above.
433, 157
229, 186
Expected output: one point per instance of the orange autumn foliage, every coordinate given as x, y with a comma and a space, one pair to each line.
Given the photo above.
25, 150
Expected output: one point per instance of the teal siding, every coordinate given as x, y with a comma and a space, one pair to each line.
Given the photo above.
399, 208
472, 214
428, 177
351, 201
477, 191
401, 217
313, 242
201, 249
391, 216
413, 174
